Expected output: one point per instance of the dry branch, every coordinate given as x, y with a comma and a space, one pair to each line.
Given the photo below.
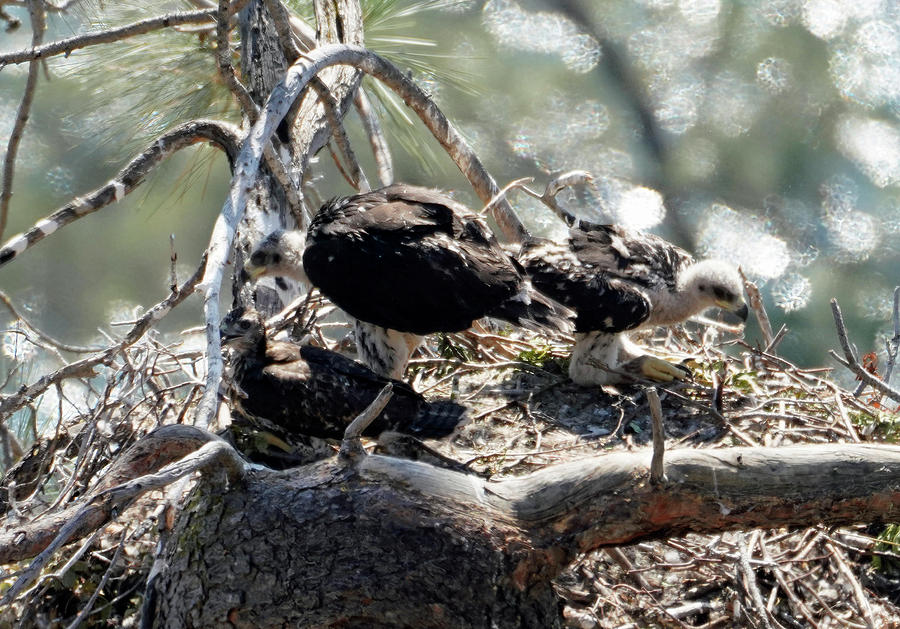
84, 368
149, 455
220, 134
67, 46
579, 506
852, 363
38, 25
328, 524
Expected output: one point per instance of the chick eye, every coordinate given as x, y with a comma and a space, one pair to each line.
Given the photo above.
721, 293
276, 258
257, 258
244, 324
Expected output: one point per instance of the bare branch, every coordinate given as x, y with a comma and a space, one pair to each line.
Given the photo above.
44, 337
221, 134
85, 368
223, 61
759, 309
893, 345
67, 46
102, 506
350, 445
377, 140
38, 25
851, 361
657, 471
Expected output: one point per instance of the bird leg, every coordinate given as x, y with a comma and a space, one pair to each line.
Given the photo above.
602, 358
385, 351
594, 358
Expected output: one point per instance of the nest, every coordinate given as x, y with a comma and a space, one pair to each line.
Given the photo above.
525, 414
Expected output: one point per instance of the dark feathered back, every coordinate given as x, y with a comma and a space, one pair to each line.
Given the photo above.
415, 260
313, 391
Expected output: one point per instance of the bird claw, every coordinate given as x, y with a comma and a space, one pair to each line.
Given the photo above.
662, 371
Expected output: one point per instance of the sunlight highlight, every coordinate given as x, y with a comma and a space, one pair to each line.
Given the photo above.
738, 238
874, 145
546, 32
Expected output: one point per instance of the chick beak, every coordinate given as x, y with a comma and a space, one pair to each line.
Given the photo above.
743, 312
254, 272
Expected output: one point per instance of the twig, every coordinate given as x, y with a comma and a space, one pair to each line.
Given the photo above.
759, 309
223, 61
83, 613
223, 135
351, 445
173, 259
864, 610
67, 46
380, 149
46, 338
617, 555
750, 580
851, 362
38, 25
845, 419
657, 471
84, 368
892, 347
116, 499
782, 331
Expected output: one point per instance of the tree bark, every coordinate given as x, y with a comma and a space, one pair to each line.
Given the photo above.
263, 65
388, 542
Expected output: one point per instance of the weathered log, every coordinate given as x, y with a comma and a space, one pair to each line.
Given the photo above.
390, 542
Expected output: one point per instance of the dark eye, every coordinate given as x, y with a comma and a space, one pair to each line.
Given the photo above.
244, 325
702, 288
258, 258
721, 293
276, 258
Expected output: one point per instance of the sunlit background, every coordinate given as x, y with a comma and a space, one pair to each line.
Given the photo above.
766, 133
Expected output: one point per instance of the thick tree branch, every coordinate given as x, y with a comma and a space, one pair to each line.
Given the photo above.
223, 135
171, 446
576, 507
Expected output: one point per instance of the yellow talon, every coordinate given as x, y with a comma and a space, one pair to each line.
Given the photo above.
662, 371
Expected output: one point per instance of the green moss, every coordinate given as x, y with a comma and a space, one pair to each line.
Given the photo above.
546, 357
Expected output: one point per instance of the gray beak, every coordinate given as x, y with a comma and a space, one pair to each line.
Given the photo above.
743, 312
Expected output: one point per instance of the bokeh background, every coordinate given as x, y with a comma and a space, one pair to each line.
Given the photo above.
767, 133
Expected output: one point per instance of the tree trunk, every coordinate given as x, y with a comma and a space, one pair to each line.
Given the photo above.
263, 65
379, 541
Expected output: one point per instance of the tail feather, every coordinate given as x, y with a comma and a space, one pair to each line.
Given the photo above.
438, 419
536, 311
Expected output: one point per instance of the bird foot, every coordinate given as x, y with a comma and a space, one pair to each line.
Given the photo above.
661, 370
